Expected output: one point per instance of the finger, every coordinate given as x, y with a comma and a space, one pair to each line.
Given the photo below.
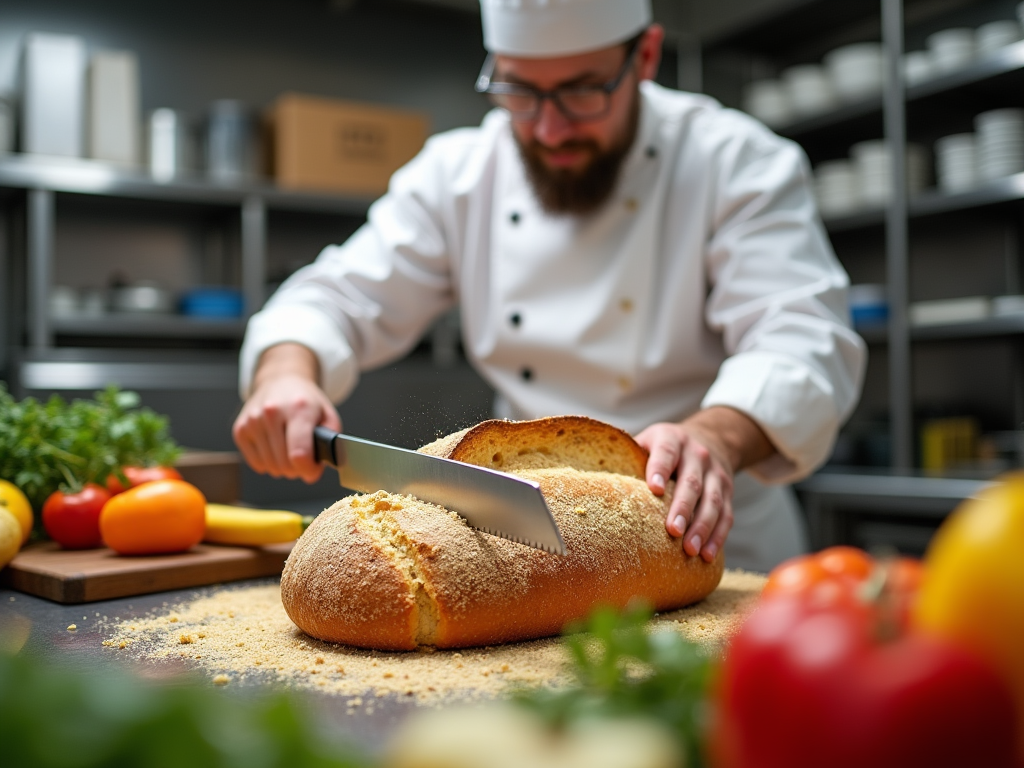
242, 431
689, 487
665, 450
330, 417
712, 501
299, 444
271, 441
716, 541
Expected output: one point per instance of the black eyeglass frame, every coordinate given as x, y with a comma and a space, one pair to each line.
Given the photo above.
492, 89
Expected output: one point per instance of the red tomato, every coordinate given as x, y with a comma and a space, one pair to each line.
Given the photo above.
805, 687
848, 566
139, 475
73, 519
847, 562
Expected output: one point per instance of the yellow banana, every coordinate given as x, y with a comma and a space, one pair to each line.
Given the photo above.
251, 527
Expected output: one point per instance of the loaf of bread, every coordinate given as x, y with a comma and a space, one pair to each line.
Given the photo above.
394, 573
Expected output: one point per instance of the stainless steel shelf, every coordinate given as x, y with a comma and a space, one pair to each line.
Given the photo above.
149, 326
1005, 190
1009, 325
889, 486
834, 498
1006, 62
92, 369
865, 108
933, 202
90, 177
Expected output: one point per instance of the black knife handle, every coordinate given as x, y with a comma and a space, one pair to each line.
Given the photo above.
323, 445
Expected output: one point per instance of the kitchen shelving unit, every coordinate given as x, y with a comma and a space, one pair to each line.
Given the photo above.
41, 183
886, 243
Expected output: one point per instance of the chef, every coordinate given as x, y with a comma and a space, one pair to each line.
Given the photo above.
616, 249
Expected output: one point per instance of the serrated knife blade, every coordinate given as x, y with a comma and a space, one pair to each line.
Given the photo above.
494, 502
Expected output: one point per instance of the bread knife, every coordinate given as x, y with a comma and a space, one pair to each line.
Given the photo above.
494, 502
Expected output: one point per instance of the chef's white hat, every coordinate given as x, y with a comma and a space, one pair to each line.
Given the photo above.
542, 28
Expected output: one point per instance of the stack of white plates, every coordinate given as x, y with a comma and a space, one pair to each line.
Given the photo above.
808, 89
1000, 143
1012, 304
767, 101
873, 162
989, 38
951, 49
836, 188
917, 67
856, 71
956, 162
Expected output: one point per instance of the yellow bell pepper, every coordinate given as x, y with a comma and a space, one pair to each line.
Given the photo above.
973, 587
251, 527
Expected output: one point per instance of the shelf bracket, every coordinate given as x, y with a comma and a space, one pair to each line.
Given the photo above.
896, 239
254, 252
40, 266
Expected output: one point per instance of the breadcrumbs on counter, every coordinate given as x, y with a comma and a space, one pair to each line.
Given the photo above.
275, 649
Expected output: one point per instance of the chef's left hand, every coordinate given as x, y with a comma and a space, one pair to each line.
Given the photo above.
703, 453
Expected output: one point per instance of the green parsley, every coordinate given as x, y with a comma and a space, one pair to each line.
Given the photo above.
624, 670
56, 445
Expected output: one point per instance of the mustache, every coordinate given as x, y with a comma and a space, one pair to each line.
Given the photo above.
536, 149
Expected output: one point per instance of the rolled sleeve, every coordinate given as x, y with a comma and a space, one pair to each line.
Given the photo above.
778, 297
339, 372
770, 389
365, 303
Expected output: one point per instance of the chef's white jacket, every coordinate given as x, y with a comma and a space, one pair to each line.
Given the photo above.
707, 279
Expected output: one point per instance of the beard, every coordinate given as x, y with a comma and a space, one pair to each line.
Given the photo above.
582, 191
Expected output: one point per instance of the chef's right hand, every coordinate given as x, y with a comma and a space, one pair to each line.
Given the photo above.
274, 430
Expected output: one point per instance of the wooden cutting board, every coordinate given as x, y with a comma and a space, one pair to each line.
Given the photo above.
83, 576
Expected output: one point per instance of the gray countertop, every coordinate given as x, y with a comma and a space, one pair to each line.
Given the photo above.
40, 627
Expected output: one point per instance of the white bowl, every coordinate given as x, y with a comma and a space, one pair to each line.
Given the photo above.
837, 187
64, 302
857, 70
956, 162
143, 297
767, 101
873, 163
808, 89
951, 48
999, 119
989, 38
918, 67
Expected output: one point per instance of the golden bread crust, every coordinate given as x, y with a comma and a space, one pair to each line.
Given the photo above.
558, 441
405, 573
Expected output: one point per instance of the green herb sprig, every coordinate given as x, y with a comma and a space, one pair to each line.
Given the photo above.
55, 445
624, 670
55, 715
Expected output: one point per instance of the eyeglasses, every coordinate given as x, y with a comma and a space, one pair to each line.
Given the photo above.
578, 103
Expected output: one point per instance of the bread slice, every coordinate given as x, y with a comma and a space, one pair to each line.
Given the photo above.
393, 572
579, 442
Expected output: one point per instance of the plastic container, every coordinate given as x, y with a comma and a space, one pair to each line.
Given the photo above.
212, 302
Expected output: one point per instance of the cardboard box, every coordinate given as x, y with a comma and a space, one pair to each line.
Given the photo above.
331, 145
218, 474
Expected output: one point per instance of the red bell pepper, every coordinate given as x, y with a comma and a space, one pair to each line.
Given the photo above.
810, 682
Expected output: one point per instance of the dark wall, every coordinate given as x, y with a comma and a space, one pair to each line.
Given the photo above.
192, 52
